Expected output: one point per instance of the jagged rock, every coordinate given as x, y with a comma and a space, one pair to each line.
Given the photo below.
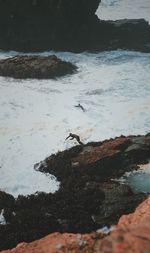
35, 216
133, 233
119, 200
6, 200
57, 242
141, 214
130, 236
102, 161
35, 67
105, 160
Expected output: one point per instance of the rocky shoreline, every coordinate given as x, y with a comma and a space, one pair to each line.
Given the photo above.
38, 25
132, 234
87, 200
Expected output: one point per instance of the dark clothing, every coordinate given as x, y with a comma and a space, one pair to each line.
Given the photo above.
81, 107
74, 136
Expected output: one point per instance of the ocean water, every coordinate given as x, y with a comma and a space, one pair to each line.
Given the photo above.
37, 115
118, 9
139, 180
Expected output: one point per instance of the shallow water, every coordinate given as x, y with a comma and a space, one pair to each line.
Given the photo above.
139, 180
36, 116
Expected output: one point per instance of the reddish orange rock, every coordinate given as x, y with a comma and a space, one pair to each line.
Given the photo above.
57, 242
133, 233
141, 215
107, 149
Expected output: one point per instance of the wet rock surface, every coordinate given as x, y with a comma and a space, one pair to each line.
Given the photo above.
35, 67
131, 235
68, 25
87, 199
101, 161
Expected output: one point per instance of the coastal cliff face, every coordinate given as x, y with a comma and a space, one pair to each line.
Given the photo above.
39, 23
64, 9
131, 235
66, 25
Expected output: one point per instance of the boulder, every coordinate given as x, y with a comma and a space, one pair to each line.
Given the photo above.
35, 67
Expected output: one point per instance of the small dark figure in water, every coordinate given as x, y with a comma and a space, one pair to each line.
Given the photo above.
81, 107
74, 136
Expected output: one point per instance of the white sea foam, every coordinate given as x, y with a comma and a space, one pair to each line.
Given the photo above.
37, 115
118, 9
2, 218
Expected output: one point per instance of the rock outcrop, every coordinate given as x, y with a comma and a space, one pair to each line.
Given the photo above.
87, 200
35, 67
99, 160
44, 24
68, 25
131, 235
141, 215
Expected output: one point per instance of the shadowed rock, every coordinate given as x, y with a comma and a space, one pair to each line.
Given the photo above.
32, 25
6, 200
68, 25
35, 67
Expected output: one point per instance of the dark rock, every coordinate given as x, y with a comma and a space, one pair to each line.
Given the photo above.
119, 200
101, 161
132, 234
84, 207
104, 160
44, 24
139, 150
68, 25
6, 200
35, 67
70, 209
